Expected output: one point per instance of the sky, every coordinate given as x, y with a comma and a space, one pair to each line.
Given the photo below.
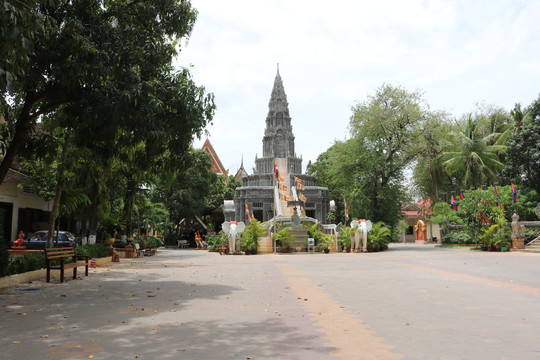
334, 54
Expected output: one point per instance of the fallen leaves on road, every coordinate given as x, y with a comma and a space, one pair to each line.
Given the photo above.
44, 336
90, 356
17, 342
132, 294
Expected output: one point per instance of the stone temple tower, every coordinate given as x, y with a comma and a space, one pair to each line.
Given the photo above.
257, 190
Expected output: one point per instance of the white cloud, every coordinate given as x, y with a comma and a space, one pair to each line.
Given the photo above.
332, 54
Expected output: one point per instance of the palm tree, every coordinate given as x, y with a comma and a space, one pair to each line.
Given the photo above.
474, 152
519, 117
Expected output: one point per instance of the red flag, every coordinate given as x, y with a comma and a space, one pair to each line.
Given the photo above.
514, 194
453, 202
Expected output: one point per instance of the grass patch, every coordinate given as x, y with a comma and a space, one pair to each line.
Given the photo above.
463, 246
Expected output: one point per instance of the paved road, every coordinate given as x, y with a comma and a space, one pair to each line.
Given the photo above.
411, 302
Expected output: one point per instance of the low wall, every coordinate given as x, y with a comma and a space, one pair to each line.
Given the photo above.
12, 280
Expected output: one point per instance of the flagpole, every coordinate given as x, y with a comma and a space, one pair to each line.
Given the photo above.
274, 197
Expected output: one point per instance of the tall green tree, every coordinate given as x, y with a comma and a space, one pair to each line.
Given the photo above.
471, 150
523, 155
184, 190
110, 62
389, 125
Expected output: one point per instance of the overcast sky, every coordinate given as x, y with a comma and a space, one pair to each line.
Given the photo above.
332, 54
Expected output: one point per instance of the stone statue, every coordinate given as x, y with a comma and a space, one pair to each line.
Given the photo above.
20, 240
518, 230
232, 229
360, 229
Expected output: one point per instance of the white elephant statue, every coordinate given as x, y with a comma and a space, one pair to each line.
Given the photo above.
233, 229
360, 229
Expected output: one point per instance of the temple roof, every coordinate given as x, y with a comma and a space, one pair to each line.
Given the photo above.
217, 166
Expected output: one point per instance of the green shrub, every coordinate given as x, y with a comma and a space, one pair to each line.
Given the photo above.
379, 237
93, 250
344, 237
216, 241
154, 242
26, 262
250, 238
284, 237
457, 237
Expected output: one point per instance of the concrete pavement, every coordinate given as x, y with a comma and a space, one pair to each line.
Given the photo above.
411, 302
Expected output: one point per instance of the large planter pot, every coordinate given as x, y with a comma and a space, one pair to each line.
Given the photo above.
504, 248
326, 251
518, 243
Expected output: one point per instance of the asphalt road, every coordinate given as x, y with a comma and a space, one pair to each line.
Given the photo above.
411, 302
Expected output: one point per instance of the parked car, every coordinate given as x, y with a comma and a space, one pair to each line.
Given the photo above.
38, 240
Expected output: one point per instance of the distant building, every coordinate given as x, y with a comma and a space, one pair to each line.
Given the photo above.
258, 191
411, 214
217, 166
20, 208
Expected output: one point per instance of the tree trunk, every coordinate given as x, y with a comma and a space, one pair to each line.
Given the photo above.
92, 228
21, 130
56, 201
128, 204
433, 181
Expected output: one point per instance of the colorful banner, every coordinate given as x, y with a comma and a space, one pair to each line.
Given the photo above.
247, 213
514, 194
300, 186
276, 171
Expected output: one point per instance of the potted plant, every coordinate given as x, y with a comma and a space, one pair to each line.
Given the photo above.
314, 232
497, 236
325, 243
378, 237
285, 238
345, 238
250, 238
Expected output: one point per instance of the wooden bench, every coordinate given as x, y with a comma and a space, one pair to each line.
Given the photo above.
58, 256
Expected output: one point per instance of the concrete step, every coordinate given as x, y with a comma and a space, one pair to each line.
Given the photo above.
265, 245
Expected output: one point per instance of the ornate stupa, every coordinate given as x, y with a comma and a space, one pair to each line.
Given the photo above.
266, 200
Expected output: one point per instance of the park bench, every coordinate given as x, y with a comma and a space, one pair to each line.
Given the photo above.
182, 244
56, 260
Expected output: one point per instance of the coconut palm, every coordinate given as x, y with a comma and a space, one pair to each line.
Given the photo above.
473, 152
519, 117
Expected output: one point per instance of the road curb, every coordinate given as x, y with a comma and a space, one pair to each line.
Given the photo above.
12, 280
